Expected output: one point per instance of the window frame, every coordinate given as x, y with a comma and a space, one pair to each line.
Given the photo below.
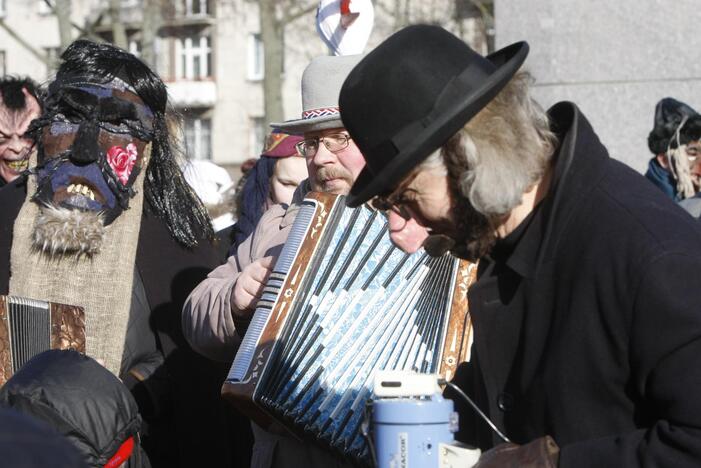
255, 58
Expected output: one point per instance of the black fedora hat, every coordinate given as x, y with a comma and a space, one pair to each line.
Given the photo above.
411, 94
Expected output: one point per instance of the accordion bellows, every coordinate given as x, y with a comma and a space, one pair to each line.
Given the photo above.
341, 303
29, 327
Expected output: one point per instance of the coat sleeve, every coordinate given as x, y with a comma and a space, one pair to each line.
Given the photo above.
206, 319
664, 349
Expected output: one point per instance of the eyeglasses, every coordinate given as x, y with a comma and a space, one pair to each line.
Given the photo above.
693, 153
397, 201
389, 203
334, 143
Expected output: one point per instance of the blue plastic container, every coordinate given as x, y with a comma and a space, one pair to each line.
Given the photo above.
408, 431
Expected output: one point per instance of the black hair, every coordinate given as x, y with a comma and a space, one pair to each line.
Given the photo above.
166, 190
11, 91
669, 115
254, 196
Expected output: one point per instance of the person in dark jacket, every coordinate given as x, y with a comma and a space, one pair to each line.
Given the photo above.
675, 167
26, 442
84, 402
586, 317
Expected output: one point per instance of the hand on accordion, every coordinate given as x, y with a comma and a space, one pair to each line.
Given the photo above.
249, 286
539, 453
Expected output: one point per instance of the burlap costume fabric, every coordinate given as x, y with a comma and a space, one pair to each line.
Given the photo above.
101, 284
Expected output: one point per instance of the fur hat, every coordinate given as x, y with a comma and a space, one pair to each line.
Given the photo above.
669, 115
321, 84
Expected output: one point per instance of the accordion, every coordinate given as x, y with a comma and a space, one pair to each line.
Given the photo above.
341, 303
29, 327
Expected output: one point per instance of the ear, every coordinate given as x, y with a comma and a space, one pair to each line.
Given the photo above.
31, 103
662, 159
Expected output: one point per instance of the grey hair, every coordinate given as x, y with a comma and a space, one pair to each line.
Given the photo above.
501, 152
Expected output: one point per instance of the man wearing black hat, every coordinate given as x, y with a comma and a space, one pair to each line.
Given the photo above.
674, 140
586, 317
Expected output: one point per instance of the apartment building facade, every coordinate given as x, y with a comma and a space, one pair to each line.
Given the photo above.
209, 53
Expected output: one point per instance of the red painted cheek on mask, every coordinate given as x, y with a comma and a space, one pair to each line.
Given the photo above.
408, 235
122, 161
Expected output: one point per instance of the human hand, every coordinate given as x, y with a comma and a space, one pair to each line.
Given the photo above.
249, 286
539, 453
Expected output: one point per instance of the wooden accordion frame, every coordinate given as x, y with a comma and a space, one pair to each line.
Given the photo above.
341, 303
29, 327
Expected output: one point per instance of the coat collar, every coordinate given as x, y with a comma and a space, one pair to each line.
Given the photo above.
579, 163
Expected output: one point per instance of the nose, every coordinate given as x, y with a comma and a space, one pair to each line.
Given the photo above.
408, 235
396, 222
323, 156
19, 144
696, 167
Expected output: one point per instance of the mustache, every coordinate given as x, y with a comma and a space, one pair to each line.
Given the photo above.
324, 174
472, 236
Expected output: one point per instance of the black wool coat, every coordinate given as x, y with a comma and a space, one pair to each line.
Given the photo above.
589, 327
188, 422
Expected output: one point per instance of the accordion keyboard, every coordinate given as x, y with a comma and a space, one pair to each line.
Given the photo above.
342, 303
30, 326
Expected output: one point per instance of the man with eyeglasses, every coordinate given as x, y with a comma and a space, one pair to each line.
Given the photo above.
587, 305
218, 311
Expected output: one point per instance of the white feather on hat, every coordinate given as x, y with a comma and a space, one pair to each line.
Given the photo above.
345, 25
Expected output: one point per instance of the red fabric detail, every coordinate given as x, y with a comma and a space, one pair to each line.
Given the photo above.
345, 7
281, 145
313, 113
123, 453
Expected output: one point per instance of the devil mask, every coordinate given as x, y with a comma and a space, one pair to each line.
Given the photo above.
93, 138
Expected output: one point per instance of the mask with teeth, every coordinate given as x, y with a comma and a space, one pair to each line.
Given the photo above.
18, 108
93, 141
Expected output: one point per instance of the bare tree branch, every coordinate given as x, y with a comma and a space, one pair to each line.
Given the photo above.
87, 32
484, 11
62, 10
385, 9
119, 33
301, 11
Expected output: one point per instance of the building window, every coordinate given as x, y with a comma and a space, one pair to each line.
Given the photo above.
198, 138
193, 58
53, 56
256, 58
258, 135
3, 68
196, 7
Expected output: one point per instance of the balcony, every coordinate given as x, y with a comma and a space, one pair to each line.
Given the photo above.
186, 93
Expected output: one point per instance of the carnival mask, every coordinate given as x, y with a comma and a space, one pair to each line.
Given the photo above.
92, 146
15, 146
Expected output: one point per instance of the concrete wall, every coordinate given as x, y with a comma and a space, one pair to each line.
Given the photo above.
615, 59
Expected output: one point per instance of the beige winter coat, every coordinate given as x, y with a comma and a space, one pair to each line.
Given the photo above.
210, 330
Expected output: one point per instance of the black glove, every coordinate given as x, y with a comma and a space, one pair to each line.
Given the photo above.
539, 453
